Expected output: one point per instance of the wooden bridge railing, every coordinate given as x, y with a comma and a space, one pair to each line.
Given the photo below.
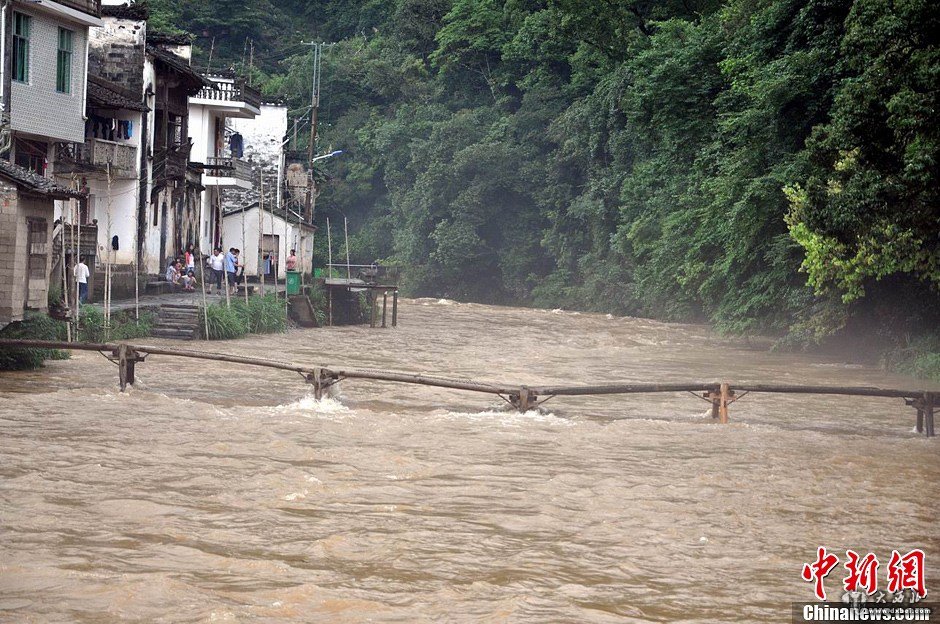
521, 397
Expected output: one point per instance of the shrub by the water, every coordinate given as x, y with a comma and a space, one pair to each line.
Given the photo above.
35, 326
261, 315
92, 326
266, 315
318, 298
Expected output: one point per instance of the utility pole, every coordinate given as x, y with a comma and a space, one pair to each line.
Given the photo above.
311, 148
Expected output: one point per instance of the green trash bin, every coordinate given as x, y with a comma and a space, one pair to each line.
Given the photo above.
293, 283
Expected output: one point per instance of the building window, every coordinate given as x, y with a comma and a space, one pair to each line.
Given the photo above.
63, 72
21, 27
30, 155
38, 248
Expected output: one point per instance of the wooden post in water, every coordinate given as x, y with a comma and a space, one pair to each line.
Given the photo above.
715, 399
395, 308
526, 400
724, 392
321, 382
127, 360
384, 307
928, 416
373, 296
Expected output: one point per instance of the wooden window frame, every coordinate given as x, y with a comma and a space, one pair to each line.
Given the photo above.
63, 69
22, 29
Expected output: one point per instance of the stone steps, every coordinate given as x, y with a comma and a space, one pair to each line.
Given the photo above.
177, 321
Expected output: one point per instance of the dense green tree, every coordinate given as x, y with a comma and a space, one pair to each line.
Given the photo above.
765, 165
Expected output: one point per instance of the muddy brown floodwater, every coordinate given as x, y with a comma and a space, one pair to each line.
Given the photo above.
223, 493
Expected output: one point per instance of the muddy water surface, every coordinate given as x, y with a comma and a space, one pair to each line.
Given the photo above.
221, 493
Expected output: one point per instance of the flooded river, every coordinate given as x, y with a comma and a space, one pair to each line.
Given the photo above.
223, 493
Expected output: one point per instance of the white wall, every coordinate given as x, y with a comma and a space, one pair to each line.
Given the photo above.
123, 218
263, 134
270, 225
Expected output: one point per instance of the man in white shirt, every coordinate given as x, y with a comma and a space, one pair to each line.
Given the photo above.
216, 263
81, 273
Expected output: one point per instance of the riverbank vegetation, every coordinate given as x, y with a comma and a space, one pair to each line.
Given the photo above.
92, 328
767, 166
35, 326
261, 315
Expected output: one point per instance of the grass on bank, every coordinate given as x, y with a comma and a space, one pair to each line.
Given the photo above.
36, 326
261, 315
92, 328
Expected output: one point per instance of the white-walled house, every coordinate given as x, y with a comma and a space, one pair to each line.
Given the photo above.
280, 232
264, 138
220, 148
107, 165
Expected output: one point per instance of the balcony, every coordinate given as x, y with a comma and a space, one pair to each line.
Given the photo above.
228, 172
92, 7
232, 96
94, 156
170, 164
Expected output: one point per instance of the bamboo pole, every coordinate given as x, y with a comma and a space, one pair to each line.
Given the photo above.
202, 270
78, 256
241, 262
276, 262
109, 248
63, 270
261, 230
346, 231
137, 245
329, 251
286, 243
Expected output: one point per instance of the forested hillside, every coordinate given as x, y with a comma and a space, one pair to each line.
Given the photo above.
765, 165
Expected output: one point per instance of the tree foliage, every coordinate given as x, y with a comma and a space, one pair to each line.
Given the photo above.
766, 165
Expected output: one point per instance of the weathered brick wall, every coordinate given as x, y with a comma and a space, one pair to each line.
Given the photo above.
36, 107
14, 254
117, 52
12, 286
38, 287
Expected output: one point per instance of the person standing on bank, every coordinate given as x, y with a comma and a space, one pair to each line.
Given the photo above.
292, 260
230, 263
217, 265
81, 273
190, 257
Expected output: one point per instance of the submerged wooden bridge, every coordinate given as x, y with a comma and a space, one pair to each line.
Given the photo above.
521, 397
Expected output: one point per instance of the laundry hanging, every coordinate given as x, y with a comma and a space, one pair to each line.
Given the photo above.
236, 145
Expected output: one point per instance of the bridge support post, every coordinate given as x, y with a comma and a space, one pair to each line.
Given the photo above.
524, 401
127, 359
321, 381
395, 309
384, 308
724, 398
919, 427
373, 311
928, 416
715, 398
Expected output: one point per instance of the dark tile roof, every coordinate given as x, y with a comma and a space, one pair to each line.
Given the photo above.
180, 66
100, 93
34, 183
159, 38
282, 213
125, 11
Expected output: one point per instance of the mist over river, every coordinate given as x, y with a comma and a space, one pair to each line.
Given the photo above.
215, 492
